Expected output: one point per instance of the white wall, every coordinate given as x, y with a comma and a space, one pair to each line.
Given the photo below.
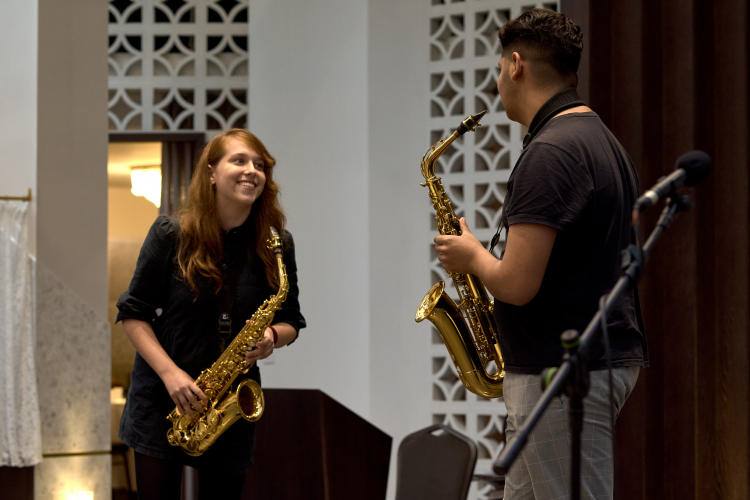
18, 39
308, 104
400, 385
337, 94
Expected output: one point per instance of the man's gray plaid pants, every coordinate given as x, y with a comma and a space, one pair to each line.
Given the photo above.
542, 470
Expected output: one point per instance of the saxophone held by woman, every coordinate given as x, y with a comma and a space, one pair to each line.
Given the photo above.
467, 328
225, 407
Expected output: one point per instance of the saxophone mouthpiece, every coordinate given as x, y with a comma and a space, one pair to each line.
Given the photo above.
469, 124
275, 242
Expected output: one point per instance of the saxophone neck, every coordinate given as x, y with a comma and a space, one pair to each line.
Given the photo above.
283, 280
430, 157
435, 152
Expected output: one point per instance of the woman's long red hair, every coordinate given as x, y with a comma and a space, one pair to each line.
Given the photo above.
201, 247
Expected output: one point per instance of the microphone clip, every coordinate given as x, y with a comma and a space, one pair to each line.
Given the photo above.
632, 263
674, 205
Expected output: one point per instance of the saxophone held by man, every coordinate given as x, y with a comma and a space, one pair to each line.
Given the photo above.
467, 328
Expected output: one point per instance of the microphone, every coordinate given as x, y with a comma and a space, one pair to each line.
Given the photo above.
691, 168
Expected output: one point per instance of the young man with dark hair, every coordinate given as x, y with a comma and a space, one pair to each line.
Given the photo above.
567, 217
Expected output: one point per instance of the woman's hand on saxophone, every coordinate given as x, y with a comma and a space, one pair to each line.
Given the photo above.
183, 391
262, 349
458, 254
286, 334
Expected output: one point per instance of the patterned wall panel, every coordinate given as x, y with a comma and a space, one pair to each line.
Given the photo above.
464, 52
178, 65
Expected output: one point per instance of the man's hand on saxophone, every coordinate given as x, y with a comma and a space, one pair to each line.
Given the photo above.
459, 254
516, 278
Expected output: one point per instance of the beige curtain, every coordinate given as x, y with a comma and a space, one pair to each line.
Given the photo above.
20, 431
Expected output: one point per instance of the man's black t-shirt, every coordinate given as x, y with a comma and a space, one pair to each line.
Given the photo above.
576, 177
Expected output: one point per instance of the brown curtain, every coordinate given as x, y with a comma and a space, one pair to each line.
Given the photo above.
668, 77
177, 159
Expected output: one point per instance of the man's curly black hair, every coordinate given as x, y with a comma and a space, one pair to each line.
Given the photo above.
547, 36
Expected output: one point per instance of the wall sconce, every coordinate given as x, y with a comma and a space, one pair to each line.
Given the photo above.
146, 181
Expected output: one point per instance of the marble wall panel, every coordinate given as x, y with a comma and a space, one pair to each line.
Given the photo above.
58, 478
73, 369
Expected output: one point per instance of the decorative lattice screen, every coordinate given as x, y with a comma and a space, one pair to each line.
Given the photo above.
464, 52
178, 65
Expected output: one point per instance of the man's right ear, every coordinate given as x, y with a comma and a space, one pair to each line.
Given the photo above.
516, 66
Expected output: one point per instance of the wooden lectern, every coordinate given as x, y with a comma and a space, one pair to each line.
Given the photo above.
310, 447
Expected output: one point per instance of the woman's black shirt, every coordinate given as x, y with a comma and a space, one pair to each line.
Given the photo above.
188, 332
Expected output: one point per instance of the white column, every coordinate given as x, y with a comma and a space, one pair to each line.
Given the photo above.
53, 100
72, 146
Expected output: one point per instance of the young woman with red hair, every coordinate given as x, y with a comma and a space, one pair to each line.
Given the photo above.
172, 307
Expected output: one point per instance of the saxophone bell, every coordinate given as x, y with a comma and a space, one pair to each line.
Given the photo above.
250, 401
442, 311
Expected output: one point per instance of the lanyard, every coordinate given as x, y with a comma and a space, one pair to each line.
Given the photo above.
565, 99
230, 289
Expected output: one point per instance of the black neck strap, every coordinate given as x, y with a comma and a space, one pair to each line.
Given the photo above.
229, 290
565, 99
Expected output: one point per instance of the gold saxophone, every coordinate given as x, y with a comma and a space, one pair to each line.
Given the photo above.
225, 407
467, 329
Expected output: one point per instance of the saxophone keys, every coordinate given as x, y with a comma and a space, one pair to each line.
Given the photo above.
465, 304
183, 438
171, 437
200, 431
212, 418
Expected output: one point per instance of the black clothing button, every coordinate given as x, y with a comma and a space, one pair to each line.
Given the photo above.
223, 267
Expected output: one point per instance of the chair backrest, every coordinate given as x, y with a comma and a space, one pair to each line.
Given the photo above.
435, 463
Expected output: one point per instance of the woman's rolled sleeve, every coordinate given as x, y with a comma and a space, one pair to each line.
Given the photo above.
290, 309
148, 287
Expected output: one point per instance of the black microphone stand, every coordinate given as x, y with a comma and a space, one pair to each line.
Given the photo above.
572, 377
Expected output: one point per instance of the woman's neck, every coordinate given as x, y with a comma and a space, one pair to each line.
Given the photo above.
229, 219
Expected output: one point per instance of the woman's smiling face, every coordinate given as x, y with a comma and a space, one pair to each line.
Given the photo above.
239, 176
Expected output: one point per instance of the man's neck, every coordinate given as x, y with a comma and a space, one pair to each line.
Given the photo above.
577, 109
534, 101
